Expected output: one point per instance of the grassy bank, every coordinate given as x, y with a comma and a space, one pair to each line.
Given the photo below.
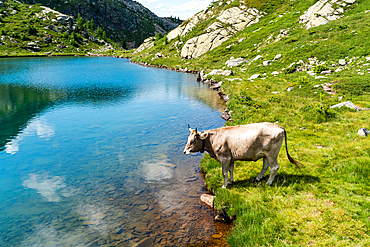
328, 204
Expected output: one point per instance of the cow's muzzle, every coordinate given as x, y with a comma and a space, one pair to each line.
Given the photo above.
187, 152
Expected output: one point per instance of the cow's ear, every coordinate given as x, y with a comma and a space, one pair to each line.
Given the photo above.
203, 136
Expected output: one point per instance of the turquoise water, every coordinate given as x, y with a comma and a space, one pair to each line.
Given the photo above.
91, 153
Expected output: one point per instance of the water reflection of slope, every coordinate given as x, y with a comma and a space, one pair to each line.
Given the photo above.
19, 104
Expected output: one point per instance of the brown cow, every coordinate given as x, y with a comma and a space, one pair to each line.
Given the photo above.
244, 142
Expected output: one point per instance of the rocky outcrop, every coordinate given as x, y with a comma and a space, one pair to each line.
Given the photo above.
229, 22
33, 46
324, 11
147, 44
188, 25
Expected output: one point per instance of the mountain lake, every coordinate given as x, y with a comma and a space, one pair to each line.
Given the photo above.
91, 153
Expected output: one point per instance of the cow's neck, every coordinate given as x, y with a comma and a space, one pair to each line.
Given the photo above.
207, 145
203, 146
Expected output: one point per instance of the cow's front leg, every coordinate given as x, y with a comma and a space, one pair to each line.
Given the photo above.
225, 170
231, 170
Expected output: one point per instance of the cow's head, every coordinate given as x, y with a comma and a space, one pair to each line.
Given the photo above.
195, 141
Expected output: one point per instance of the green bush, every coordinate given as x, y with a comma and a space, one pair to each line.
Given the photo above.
31, 30
319, 68
303, 80
274, 99
291, 69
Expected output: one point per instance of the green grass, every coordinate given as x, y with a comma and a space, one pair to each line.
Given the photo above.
328, 204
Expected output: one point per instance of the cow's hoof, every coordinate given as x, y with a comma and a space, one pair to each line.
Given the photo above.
230, 182
223, 186
256, 180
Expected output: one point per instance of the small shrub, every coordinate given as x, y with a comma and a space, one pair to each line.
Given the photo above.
291, 69
290, 85
15, 35
319, 68
318, 113
274, 99
31, 30
303, 80
291, 41
342, 27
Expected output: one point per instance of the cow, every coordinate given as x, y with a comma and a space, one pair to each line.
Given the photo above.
249, 142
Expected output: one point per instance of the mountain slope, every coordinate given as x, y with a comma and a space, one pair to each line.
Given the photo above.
293, 63
124, 21
33, 29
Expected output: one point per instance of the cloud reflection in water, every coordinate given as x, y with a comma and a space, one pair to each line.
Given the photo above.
51, 188
157, 170
38, 127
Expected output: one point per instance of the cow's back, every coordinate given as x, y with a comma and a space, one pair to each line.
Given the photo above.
247, 142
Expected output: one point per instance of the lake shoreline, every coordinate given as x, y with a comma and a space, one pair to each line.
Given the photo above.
222, 228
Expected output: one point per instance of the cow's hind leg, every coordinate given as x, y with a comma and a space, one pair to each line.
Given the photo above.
225, 170
231, 170
263, 170
274, 167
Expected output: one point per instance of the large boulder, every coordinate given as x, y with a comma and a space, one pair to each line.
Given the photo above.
33, 46
197, 46
324, 11
65, 20
220, 72
348, 104
235, 62
239, 17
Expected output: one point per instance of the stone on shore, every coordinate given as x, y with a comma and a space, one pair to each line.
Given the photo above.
207, 199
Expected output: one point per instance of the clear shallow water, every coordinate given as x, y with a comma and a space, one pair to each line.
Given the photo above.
91, 153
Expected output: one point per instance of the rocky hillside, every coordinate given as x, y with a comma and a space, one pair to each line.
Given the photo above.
125, 21
27, 29
305, 65
324, 39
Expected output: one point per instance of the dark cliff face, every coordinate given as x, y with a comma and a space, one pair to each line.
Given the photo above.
124, 21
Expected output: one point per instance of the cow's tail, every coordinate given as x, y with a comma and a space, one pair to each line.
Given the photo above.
296, 163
